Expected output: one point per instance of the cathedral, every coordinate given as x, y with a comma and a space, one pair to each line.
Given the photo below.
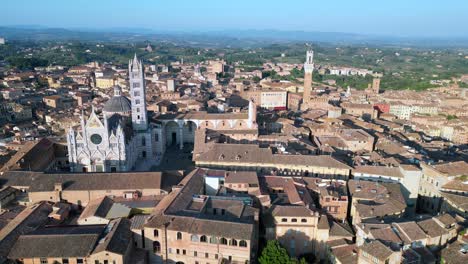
123, 138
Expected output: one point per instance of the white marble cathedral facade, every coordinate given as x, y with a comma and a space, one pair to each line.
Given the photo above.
121, 138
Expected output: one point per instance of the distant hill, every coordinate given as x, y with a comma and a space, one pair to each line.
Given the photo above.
234, 38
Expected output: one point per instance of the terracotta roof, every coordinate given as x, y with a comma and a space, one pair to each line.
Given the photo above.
237, 222
241, 177
38, 181
373, 199
58, 241
379, 170
323, 223
117, 239
346, 254
291, 211
97, 207
457, 185
446, 219
385, 234
459, 201
246, 153
432, 228
409, 232
452, 168
377, 249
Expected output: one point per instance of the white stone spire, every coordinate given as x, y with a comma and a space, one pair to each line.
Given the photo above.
137, 93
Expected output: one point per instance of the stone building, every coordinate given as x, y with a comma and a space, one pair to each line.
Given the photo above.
200, 222
110, 243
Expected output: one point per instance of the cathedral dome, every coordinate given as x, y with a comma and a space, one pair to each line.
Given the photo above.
118, 103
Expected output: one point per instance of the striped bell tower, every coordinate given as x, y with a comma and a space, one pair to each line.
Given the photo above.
137, 94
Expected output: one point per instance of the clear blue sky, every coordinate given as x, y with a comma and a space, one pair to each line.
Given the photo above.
385, 17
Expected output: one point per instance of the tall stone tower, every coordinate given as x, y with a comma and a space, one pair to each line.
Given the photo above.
376, 85
252, 114
137, 94
308, 69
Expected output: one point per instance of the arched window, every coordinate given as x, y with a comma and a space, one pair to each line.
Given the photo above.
233, 242
194, 238
294, 220
155, 233
284, 220
303, 220
223, 241
203, 239
242, 243
213, 240
156, 247
179, 236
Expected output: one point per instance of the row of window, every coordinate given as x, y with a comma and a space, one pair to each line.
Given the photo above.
204, 239
64, 261
78, 261
195, 253
294, 220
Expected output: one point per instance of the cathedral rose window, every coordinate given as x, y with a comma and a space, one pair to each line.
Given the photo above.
96, 139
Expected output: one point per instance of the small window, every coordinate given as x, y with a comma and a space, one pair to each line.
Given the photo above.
284, 220
179, 236
184, 252
65, 261
233, 242
194, 238
223, 241
213, 240
243, 243
294, 220
216, 256
156, 247
79, 261
43, 261
177, 251
303, 220
195, 254
203, 239
155, 233
207, 255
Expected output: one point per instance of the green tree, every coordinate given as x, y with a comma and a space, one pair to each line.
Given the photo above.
451, 117
256, 79
274, 253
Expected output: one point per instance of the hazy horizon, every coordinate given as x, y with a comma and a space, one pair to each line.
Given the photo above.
396, 18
